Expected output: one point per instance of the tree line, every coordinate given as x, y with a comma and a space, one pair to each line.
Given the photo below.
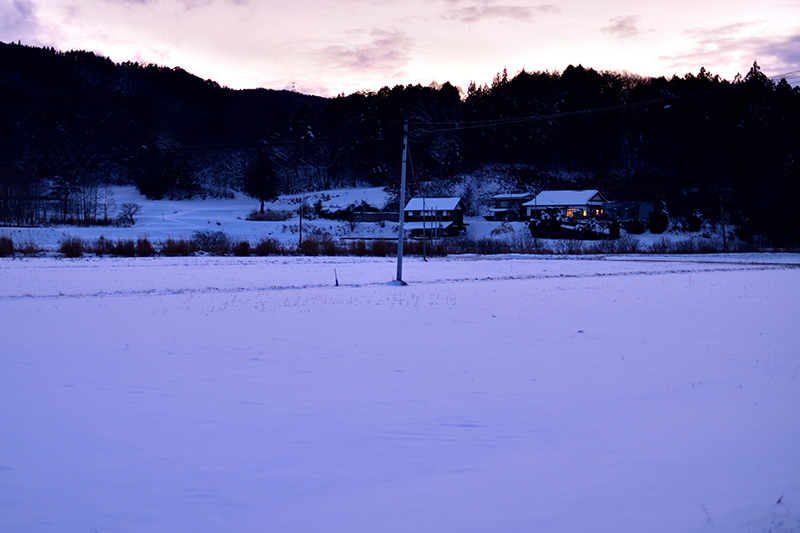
75, 122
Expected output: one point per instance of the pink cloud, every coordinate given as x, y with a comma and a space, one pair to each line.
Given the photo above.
475, 13
624, 26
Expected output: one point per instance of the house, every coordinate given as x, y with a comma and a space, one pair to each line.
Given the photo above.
628, 210
509, 206
434, 216
585, 203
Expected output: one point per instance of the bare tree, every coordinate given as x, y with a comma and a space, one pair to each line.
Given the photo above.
128, 212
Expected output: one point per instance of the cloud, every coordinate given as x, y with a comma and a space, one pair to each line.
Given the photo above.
387, 50
186, 4
729, 46
784, 52
625, 26
17, 19
477, 12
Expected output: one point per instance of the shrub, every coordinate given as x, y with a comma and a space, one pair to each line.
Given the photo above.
125, 248
662, 246
72, 247
382, 247
328, 246
144, 248
658, 222
634, 227
430, 248
569, 247
694, 221
213, 242
269, 246
6, 246
627, 245
270, 216
358, 248
613, 229
29, 248
241, 249
102, 246
309, 246
175, 247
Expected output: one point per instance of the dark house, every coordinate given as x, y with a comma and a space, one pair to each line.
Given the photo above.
434, 217
509, 206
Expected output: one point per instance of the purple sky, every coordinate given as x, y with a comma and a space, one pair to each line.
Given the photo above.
328, 47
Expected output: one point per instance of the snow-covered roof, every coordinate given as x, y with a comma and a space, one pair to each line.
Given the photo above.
433, 204
562, 198
408, 226
512, 196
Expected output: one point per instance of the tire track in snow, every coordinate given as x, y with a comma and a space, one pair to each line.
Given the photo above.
723, 266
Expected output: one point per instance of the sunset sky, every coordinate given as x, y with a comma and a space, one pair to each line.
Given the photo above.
327, 47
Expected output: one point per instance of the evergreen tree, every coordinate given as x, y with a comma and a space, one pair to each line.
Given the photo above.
261, 180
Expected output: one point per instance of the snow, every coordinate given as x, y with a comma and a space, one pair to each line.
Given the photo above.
432, 204
562, 198
164, 219
504, 393
490, 394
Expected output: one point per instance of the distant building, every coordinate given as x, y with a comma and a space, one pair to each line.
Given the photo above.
585, 203
628, 210
434, 217
509, 206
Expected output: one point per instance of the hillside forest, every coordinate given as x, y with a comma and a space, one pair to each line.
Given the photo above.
75, 123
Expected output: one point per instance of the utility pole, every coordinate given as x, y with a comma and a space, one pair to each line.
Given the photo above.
424, 253
402, 206
722, 219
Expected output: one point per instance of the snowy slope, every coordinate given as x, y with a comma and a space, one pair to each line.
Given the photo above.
504, 395
178, 219
164, 219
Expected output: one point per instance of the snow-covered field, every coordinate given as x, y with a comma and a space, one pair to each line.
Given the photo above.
624, 394
164, 219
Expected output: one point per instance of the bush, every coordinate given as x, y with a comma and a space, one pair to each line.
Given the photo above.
357, 248
309, 247
144, 248
328, 246
125, 248
382, 247
6, 246
213, 242
241, 249
270, 216
694, 221
102, 246
430, 248
29, 248
613, 229
175, 247
635, 226
269, 246
658, 222
72, 247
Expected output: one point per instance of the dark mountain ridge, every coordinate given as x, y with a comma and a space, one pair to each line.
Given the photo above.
73, 121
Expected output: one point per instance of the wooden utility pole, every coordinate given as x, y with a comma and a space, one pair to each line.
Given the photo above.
401, 234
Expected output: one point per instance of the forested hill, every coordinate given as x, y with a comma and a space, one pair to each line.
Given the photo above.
697, 142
